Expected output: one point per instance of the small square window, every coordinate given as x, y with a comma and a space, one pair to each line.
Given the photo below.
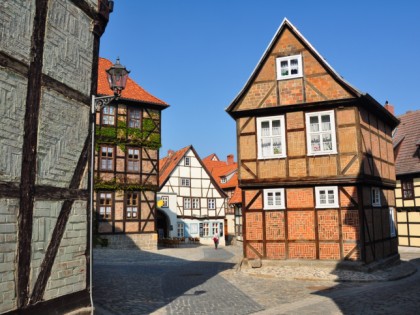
407, 189
274, 199
326, 197
211, 204
165, 200
185, 182
289, 67
376, 197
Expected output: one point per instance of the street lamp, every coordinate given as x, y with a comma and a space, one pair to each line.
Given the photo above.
117, 78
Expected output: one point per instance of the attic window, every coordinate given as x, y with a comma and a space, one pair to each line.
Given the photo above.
289, 67
223, 180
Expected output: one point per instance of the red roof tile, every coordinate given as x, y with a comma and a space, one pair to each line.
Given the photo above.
132, 91
406, 140
236, 197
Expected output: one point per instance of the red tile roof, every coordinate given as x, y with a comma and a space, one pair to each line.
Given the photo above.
219, 169
406, 140
236, 197
132, 91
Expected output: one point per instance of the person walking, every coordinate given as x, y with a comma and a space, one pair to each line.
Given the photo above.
216, 241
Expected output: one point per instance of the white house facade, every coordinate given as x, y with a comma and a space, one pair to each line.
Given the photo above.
199, 204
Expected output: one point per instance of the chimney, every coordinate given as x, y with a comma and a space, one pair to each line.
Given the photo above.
389, 108
230, 159
170, 153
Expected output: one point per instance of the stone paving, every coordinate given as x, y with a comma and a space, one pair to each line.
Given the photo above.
201, 280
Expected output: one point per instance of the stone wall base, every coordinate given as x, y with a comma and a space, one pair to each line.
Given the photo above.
131, 241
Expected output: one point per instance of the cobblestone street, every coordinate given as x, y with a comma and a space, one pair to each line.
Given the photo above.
201, 280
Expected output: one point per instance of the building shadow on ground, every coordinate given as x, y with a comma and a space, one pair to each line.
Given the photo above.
182, 280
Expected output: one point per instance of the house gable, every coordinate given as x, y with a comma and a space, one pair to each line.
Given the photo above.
319, 82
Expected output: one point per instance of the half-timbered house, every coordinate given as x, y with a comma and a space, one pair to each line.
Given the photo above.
406, 140
225, 173
48, 61
200, 202
126, 165
316, 164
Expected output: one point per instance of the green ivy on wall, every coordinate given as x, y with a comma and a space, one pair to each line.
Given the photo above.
114, 185
124, 136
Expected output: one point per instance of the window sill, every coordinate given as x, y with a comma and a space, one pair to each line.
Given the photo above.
323, 153
334, 206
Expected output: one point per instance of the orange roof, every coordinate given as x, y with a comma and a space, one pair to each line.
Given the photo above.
132, 91
236, 197
219, 169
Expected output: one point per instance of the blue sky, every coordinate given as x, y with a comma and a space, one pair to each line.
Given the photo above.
196, 55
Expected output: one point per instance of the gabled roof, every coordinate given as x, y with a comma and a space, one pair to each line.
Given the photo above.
286, 24
132, 91
168, 164
220, 169
406, 140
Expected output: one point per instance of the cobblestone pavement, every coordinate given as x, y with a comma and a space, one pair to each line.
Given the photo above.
201, 280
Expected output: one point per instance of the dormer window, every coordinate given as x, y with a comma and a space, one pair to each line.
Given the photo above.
223, 180
289, 67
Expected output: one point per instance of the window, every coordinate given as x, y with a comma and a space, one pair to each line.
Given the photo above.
204, 229
289, 67
320, 130
326, 197
271, 137
223, 180
185, 182
211, 204
107, 158
133, 160
274, 199
134, 116
196, 203
187, 203
187, 161
132, 206
105, 205
165, 200
180, 229
215, 228
392, 222
376, 197
407, 189
108, 116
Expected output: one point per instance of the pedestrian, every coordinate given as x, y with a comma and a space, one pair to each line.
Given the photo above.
216, 241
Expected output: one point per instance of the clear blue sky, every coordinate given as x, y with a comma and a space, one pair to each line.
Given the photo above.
196, 55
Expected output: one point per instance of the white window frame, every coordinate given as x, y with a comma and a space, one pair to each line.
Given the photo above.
288, 60
392, 230
187, 161
376, 196
328, 204
187, 203
275, 205
195, 203
282, 137
309, 133
211, 204
223, 180
180, 229
165, 200
185, 182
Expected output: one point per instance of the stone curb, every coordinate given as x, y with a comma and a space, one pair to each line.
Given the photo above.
316, 271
